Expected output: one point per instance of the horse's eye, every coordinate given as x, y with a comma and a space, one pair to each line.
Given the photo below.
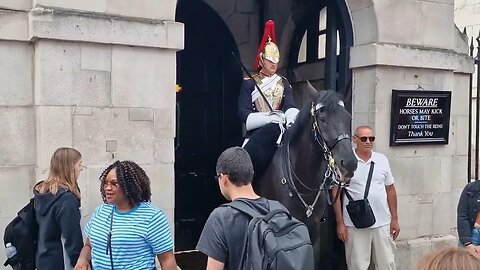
322, 119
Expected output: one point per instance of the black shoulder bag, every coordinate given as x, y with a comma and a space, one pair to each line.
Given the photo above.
360, 211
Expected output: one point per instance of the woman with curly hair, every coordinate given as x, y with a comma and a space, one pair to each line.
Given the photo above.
57, 203
126, 232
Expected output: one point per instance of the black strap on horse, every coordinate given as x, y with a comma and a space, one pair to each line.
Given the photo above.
256, 85
319, 136
330, 170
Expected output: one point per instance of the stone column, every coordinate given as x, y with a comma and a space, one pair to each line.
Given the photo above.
409, 45
96, 75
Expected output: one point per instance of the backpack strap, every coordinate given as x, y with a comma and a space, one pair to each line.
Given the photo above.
242, 206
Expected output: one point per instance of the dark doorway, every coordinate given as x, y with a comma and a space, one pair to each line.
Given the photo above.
207, 121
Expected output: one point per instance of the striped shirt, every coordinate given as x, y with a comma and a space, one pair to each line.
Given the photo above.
137, 236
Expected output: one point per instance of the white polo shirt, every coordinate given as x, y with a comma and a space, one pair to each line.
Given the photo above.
377, 196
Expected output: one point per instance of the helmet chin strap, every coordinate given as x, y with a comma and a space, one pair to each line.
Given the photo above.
263, 70
265, 73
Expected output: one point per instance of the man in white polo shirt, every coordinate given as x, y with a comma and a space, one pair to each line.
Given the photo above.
376, 241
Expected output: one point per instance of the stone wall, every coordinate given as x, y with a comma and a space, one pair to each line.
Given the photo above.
96, 75
409, 45
99, 75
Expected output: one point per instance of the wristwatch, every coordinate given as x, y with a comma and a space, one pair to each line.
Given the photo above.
467, 244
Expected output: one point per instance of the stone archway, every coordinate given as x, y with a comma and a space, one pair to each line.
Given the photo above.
364, 20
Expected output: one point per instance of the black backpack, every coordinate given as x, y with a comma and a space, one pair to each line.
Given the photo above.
275, 240
22, 233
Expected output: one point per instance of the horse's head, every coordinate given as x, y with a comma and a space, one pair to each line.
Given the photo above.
332, 131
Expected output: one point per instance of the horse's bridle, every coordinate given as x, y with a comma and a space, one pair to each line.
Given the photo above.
331, 171
327, 148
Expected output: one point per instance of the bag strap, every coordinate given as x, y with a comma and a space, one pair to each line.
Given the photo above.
369, 179
245, 208
367, 187
109, 240
347, 194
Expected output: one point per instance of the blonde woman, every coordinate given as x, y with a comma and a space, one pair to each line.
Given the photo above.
57, 207
450, 259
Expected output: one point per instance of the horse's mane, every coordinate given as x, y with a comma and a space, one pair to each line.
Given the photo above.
330, 101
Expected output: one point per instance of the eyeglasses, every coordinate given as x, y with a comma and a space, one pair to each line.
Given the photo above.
217, 177
364, 139
111, 184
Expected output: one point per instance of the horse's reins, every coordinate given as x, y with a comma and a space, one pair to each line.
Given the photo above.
331, 171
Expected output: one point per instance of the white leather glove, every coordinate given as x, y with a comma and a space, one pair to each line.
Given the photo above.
276, 117
257, 120
291, 115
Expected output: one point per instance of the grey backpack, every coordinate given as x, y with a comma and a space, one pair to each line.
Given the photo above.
275, 240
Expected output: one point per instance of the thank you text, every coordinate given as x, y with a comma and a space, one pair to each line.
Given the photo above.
420, 117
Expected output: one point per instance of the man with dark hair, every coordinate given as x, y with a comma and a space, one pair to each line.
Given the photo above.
224, 236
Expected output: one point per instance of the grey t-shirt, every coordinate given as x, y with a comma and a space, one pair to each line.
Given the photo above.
225, 233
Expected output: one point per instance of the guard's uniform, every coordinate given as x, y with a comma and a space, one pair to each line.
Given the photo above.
264, 128
278, 92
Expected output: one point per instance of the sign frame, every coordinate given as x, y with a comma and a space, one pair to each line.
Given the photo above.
397, 119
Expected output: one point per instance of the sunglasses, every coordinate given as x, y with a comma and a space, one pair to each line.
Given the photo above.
217, 177
364, 139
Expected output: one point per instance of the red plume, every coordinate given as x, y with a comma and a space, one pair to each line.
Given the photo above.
268, 32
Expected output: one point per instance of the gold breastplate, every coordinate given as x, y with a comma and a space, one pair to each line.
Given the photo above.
274, 95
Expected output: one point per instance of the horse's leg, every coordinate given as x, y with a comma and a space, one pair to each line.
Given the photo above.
329, 250
338, 260
318, 236
324, 248
317, 252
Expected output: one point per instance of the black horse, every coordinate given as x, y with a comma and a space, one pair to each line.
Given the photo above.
316, 154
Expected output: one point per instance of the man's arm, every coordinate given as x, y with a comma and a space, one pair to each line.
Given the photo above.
342, 232
213, 264
392, 205
212, 241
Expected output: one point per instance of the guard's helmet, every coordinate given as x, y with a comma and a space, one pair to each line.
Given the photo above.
267, 50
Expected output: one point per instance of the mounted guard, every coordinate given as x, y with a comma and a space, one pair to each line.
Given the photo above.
265, 103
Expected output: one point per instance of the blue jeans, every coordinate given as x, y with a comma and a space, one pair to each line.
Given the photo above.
476, 236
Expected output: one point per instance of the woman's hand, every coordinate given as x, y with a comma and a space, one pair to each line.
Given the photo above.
167, 260
82, 264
